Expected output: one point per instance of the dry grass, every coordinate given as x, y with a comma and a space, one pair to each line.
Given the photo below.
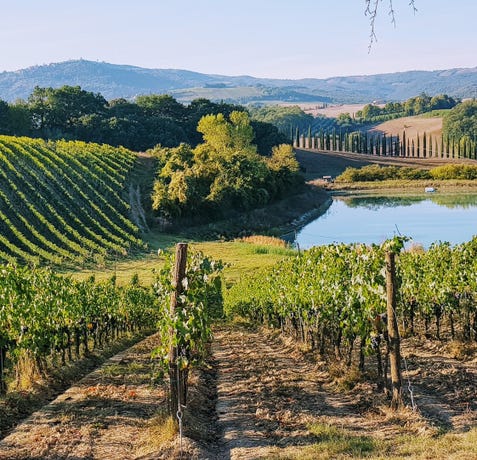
264, 240
27, 373
333, 442
413, 126
162, 430
461, 350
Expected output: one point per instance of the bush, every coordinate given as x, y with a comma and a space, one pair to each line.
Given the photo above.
377, 173
454, 171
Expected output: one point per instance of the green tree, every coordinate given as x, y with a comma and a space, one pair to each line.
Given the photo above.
58, 113
4, 118
461, 120
285, 169
224, 174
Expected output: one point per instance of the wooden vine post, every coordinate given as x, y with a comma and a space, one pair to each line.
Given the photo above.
176, 381
393, 333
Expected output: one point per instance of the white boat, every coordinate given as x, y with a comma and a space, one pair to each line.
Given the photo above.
429, 189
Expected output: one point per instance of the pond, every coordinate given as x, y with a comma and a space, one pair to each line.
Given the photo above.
372, 219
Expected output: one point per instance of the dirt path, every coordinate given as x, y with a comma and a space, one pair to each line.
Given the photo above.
445, 388
268, 395
260, 397
102, 417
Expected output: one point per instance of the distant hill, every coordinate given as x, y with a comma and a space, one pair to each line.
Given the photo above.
115, 81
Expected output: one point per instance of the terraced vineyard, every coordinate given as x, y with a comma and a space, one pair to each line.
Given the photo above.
61, 202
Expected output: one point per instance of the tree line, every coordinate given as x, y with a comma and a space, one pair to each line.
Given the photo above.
374, 113
422, 146
72, 113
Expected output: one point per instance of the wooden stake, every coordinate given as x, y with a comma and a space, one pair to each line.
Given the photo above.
174, 374
393, 333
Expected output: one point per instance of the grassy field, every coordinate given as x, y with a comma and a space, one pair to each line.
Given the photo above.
239, 257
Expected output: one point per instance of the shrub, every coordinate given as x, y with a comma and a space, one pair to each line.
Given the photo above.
455, 171
372, 173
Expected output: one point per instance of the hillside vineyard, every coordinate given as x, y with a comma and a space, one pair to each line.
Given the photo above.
61, 202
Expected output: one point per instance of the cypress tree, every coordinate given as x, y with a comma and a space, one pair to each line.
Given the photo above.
412, 147
418, 145
424, 145
403, 145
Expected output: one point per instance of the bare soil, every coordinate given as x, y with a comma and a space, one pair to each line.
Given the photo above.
333, 111
256, 399
317, 164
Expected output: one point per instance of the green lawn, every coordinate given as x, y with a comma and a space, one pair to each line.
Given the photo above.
239, 257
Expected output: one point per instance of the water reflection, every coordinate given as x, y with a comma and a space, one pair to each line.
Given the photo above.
371, 219
378, 202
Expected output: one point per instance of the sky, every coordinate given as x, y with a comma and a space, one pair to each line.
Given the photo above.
261, 38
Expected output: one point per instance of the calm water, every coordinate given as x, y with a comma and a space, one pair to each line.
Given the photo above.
372, 219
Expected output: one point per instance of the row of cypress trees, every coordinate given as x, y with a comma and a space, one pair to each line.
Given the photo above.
421, 146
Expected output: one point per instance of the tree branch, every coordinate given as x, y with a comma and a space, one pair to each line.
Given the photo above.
372, 7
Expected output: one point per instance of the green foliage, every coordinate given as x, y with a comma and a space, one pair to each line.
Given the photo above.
285, 169
283, 117
199, 303
328, 296
328, 291
461, 121
70, 112
223, 174
44, 314
61, 202
378, 173
423, 103
454, 171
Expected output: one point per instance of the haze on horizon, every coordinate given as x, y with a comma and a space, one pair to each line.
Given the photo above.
266, 38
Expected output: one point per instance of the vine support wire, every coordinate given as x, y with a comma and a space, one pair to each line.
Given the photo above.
179, 408
409, 386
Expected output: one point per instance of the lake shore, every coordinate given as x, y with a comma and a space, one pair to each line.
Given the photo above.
409, 187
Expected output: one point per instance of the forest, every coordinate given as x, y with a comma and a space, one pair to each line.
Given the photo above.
72, 113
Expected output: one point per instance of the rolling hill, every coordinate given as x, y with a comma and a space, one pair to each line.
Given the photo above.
115, 81
61, 203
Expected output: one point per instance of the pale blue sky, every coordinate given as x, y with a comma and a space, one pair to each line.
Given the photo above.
263, 38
